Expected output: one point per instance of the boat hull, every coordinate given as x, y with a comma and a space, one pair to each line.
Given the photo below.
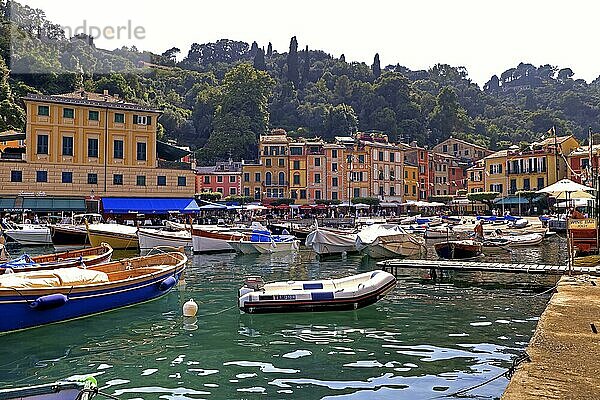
457, 251
37, 237
325, 242
18, 314
150, 240
391, 250
213, 242
118, 241
69, 235
276, 247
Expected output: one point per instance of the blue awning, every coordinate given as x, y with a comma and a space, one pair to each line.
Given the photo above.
134, 205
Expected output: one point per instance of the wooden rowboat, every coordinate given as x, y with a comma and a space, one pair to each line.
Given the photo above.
348, 293
66, 259
35, 298
458, 249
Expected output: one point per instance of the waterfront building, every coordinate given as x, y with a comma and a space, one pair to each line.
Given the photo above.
336, 178
476, 177
580, 169
252, 180
273, 152
91, 145
419, 156
462, 150
387, 165
316, 166
298, 172
358, 166
224, 178
411, 181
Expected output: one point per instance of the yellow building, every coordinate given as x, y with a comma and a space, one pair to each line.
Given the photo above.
298, 172
273, 152
94, 145
411, 181
252, 180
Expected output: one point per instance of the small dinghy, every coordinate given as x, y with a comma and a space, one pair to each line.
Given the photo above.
529, 239
74, 258
495, 243
348, 293
458, 249
262, 241
63, 390
519, 223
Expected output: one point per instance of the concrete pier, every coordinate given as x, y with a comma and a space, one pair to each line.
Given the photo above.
565, 348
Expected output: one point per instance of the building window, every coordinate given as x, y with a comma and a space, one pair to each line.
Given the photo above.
268, 162
296, 164
334, 153
42, 144
317, 195
161, 180
142, 120
181, 181
296, 179
219, 179
268, 178
16, 176
334, 195
92, 147
303, 194
405, 189
68, 113
92, 179
43, 111
296, 151
117, 179
232, 179
526, 184
392, 191
41, 176
356, 192
67, 146
361, 158
257, 177
67, 177
256, 193
381, 156
141, 151
93, 115
232, 191
246, 177
540, 183
140, 180
334, 167
207, 179
282, 162
317, 178
281, 178
334, 182
119, 118
247, 192
392, 157
445, 148
294, 194
118, 149
455, 147
318, 162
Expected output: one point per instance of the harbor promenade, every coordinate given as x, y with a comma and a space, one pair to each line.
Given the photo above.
564, 348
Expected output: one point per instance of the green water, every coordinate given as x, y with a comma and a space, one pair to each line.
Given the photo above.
420, 342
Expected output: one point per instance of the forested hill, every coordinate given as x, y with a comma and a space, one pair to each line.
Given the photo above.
220, 96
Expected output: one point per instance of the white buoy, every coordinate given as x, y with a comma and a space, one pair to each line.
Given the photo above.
190, 308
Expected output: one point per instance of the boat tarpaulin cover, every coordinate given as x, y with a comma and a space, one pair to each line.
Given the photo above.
128, 205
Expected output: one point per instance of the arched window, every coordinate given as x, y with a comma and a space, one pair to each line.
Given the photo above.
296, 178
268, 178
281, 178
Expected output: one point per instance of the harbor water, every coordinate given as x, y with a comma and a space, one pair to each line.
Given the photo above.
423, 341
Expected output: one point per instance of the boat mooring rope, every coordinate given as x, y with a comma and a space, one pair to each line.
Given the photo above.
508, 374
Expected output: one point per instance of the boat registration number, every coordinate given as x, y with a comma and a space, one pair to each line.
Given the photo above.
284, 297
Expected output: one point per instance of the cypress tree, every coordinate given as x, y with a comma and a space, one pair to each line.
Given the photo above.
306, 67
343, 58
269, 50
259, 60
253, 49
292, 62
376, 67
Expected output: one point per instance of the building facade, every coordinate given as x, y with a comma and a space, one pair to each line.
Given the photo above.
224, 178
94, 145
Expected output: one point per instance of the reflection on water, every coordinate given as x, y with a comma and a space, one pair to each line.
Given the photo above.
419, 342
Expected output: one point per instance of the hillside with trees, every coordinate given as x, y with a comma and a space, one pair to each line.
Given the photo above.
219, 97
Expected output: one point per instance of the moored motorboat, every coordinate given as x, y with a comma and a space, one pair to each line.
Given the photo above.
73, 258
35, 298
324, 241
495, 243
29, 234
458, 249
262, 241
349, 293
214, 241
438, 232
529, 239
72, 232
84, 389
388, 241
151, 238
120, 237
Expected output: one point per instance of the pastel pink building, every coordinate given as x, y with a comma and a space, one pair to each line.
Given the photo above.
225, 178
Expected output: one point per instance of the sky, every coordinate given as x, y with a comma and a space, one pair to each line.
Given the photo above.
487, 37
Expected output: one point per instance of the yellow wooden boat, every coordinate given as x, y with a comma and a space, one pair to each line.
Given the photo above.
119, 237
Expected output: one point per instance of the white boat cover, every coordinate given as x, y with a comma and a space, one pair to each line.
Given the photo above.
330, 237
61, 277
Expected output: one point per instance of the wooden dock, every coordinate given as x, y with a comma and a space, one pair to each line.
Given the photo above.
392, 266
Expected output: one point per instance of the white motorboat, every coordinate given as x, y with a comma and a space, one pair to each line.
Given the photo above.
325, 241
518, 223
439, 232
349, 293
151, 238
388, 241
262, 241
529, 239
214, 241
120, 237
29, 234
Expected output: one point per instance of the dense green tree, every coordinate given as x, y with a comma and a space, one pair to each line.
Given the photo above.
293, 74
12, 115
445, 115
259, 60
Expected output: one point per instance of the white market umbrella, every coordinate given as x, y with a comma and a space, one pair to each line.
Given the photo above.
565, 186
575, 195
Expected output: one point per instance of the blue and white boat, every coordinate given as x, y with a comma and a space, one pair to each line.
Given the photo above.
34, 298
262, 241
84, 389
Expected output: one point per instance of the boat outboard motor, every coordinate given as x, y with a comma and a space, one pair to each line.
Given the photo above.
252, 284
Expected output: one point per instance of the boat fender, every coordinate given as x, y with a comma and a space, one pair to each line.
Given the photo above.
49, 301
167, 284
